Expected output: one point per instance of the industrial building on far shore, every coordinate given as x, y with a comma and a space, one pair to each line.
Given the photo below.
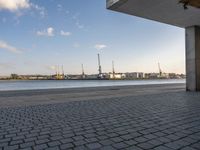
113, 75
105, 76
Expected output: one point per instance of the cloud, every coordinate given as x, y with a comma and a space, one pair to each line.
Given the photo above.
6, 65
59, 7
77, 21
39, 9
67, 12
65, 33
51, 68
100, 46
48, 32
14, 5
76, 45
4, 45
80, 26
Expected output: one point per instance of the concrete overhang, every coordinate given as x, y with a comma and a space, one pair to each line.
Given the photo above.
172, 12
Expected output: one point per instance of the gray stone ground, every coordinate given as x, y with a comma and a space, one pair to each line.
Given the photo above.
156, 119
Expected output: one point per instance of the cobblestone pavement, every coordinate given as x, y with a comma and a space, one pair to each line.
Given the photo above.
160, 121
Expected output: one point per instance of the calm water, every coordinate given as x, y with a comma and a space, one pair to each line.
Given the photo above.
51, 84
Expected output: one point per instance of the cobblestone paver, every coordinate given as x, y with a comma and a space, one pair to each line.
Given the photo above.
158, 122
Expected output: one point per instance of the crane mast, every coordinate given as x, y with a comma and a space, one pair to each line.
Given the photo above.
113, 67
160, 71
63, 73
99, 64
83, 73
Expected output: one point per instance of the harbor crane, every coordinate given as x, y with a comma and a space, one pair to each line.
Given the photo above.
160, 71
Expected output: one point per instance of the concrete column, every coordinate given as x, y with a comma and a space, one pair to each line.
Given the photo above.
193, 58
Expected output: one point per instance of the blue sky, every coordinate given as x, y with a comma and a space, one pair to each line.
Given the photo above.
37, 35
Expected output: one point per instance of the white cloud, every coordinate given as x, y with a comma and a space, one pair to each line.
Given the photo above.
67, 12
6, 65
77, 21
76, 45
59, 7
80, 26
65, 33
100, 46
40, 10
4, 45
48, 32
14, 5
51, 67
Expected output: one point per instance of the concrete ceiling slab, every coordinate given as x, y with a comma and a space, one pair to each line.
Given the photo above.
166, 11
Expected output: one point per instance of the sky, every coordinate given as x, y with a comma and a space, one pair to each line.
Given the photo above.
37, 35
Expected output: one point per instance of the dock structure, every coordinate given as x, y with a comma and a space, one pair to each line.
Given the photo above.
180, 13
60, 74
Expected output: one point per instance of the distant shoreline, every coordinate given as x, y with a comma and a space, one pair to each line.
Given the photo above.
90, 79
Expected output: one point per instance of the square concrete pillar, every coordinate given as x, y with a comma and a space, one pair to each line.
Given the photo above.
193, 58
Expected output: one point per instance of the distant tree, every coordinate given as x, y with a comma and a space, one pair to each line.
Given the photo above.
14, 76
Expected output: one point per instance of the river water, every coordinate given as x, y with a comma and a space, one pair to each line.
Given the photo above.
7, 85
